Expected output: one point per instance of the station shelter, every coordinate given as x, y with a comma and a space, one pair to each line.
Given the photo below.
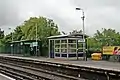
67, 46
31, 47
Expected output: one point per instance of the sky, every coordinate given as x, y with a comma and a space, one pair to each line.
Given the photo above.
98, 13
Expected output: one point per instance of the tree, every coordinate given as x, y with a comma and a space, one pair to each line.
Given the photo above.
18, 34
45, 28
105, 37
8, 38
75, 31
27, 31
108, 37
1, 37
1, 34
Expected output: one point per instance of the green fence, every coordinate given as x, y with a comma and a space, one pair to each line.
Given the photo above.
24, 49
5, 49
44, 51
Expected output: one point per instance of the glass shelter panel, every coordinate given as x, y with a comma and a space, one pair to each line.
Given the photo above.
57, 41
57, 46
72, 50
80, 45
64, 50
57, 50
64, 41
72, 46
63, 46
72, 41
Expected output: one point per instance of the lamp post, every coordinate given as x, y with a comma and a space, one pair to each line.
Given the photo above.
12, 41
12, 33
83, 17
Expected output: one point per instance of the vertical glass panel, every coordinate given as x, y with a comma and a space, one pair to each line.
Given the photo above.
71, 41
51, 45
80, 45
80, 50
57, 55
72, 45
57, 50
57, 41
57, 46
71, 50
63, 45
63, 41
64, 55
64, 50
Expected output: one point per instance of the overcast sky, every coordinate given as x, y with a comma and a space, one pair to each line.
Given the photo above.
98, 13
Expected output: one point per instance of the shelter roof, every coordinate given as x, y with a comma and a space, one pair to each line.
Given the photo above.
76, 35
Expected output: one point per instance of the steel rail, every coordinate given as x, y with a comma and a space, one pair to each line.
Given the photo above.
66, 69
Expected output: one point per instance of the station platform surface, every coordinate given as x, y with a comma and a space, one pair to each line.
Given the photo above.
3, 77
106, 65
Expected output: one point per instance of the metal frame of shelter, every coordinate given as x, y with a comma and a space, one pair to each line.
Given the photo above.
25, 46
67, 46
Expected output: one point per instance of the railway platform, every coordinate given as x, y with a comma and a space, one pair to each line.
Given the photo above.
4, 77
105, 65
91, 70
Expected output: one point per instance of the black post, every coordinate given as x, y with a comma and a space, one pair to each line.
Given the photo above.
86, 41
77, 50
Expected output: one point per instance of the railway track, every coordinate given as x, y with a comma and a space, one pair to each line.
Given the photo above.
59, 71
19, 74
27, 73
23, 72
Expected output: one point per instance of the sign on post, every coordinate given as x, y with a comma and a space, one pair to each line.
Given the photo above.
35, 43
109, 50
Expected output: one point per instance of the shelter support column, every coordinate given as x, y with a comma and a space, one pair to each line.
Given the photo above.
49, 48
54, 47
60, 49
67, 49
77, 49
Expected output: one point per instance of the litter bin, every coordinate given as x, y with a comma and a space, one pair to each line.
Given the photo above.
96, 56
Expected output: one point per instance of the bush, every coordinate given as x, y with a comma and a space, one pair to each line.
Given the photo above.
93, 50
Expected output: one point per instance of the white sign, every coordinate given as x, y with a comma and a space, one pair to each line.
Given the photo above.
11, 45
21, 43
81, 40
35, 43
31, 45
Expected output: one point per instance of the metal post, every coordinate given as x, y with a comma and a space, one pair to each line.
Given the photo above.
60, 49
87, 48
83, 17
49, 49
12, 36
67, 49
84, 52
77, 49
54, 49
12, 41
36, 39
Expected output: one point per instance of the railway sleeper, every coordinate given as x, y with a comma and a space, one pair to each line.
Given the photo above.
51, 75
